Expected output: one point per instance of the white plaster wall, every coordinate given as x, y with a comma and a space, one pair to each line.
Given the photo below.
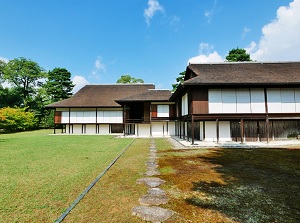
77, 129
157, 129
171, 128
90, 129
224, 131
103, 129
142, 130
210, 131
201, 131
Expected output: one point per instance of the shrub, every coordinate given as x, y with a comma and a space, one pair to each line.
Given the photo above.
17, 119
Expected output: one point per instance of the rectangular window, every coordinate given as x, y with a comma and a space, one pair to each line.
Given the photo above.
162, 110
184, 105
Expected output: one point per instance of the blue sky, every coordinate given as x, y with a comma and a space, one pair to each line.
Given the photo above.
98, 41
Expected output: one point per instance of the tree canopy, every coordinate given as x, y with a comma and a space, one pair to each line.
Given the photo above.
25, 75
2, 66
30, 89
179, 80
236, 55
127, 79
59, 85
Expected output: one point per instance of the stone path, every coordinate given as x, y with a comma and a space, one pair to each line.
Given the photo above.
148, 209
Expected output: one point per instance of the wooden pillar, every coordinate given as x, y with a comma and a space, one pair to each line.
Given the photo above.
150, 119
257, 130
203, 130
218, 130
267, 129
124, 119
180, 129
242, 130
193, 130
183, 130
69, 119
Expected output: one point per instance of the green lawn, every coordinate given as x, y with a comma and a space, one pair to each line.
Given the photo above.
42, 174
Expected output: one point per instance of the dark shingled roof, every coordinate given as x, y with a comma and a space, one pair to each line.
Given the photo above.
244, 73
91, 96
149, 95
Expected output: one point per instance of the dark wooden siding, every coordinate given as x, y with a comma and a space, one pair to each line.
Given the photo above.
154, 111
199, 98
57, 117
147, 111
172, 111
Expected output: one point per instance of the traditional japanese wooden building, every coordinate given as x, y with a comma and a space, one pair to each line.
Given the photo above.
130, 109
245, 101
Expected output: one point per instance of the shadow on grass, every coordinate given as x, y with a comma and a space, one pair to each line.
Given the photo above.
262, 185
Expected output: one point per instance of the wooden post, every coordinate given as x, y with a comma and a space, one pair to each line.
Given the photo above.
242, 130
193, 130
187, 131
183, 130
69, 120
218, 130
257, 130
203, 130
124, 119
180, 129
150, 119
267, 128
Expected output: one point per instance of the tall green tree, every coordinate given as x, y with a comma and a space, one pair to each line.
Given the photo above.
179, 80
25, 75
10, 97
2, 66
127, 79
59, 84
238, 54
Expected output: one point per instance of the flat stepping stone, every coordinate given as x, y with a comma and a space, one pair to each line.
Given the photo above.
151, 164
150, 182
152, 199
151, 173
153, 214
156, 191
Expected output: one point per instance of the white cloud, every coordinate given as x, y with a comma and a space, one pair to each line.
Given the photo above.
205, 55
202, 58
153, 7
4, 59
209, 15
79, 82
251, 47
205, 48
245, 31
98, 67
280, 39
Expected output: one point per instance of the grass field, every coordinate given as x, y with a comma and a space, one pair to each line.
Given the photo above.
232, 185
41, 174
